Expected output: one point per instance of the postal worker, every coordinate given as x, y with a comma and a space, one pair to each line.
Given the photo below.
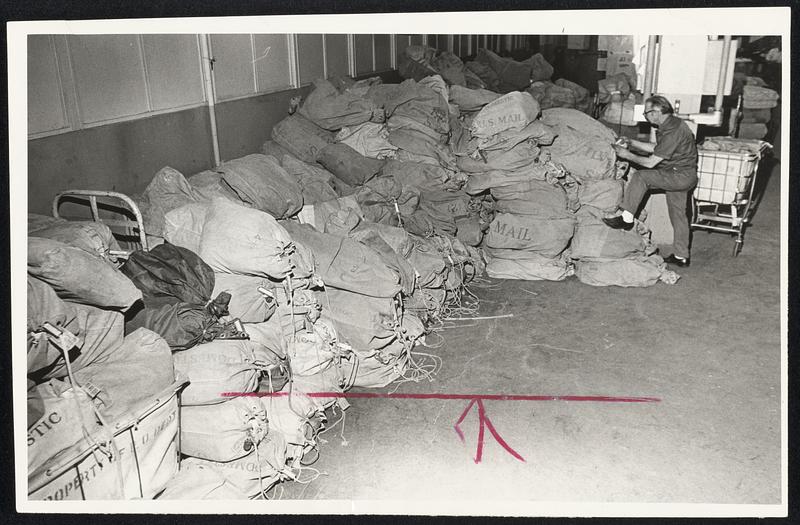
670, 164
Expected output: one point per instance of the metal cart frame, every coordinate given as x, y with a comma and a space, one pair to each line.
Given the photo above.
133, 228
723, 198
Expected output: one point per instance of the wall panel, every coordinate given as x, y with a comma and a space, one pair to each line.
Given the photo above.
336, 55
174, 72
233, 65
401, 43
46, 111
442, 42
383, 52
109, 76
122, 156
363, 45
310, 58
465, 46
272, 62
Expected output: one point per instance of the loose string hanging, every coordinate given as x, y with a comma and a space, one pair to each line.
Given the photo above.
110, 442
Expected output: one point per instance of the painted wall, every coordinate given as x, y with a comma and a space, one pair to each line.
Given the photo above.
120, 157
108, 111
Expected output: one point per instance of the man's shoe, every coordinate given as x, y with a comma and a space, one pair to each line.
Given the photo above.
618, 223
677, 261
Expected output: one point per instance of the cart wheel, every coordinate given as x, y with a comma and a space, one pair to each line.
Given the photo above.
737, 247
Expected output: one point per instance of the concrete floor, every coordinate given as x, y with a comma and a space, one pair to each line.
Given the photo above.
708, 347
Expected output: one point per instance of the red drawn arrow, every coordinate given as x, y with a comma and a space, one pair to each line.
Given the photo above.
483, 419
484, 422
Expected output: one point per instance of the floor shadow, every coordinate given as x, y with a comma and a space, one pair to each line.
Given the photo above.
766, 170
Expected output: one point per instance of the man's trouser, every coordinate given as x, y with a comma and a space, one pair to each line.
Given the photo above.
676, 184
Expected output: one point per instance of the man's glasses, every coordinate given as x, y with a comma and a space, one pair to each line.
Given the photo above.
650, 111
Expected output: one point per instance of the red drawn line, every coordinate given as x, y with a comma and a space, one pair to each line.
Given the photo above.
483, 423
463, 415
469, 397
483, 419
488, 422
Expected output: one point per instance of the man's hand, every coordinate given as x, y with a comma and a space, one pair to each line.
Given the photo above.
622, 152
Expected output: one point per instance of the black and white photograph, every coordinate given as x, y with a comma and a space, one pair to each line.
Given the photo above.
506, 263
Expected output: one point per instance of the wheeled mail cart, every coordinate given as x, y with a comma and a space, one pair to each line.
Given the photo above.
723, 198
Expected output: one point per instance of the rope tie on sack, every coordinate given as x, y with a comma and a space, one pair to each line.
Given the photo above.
65, 344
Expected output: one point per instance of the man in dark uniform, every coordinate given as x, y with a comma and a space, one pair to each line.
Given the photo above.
671, 165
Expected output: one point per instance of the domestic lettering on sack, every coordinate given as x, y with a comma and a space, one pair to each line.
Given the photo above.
520, 233
43, 427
